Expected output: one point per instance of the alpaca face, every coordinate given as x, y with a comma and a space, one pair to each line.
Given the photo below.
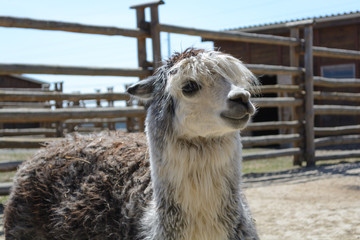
208, 106
209, 94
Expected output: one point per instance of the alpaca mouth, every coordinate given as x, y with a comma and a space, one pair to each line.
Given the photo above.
236, 121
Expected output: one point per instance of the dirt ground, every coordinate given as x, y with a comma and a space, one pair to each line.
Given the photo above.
321, 203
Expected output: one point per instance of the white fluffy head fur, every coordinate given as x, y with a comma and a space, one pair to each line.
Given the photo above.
219, 76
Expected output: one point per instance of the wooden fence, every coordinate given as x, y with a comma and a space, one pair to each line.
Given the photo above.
69, 116
299, 134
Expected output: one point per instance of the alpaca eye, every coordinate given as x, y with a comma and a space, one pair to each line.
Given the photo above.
190, 88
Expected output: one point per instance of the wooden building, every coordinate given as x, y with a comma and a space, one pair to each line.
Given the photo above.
21, 83
335, 31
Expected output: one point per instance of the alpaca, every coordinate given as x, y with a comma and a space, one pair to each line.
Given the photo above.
184, 185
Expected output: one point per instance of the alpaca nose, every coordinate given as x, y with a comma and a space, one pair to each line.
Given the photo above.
241, 96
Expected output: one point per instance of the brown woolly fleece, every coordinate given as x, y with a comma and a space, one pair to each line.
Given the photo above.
81, 187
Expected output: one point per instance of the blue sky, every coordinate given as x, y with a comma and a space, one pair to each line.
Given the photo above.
61, 48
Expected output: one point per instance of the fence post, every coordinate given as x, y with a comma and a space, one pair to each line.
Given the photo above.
141, 41
59, 104
142, 58
111, 124
155, 36
309, 97
154, 29
297, 112
98, 105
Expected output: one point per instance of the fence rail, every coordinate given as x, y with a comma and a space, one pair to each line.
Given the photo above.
337, 96
350, 129
27, 132
71, 70
23, 142
277, 102
270, 140
336, 82
231, 36
273, 125
272, 154
336, 110
14, 22
59, 96
335, 53
23, 115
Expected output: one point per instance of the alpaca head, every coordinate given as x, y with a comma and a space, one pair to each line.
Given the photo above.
198, 93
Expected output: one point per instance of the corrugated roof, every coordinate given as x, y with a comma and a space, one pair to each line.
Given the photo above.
282, 24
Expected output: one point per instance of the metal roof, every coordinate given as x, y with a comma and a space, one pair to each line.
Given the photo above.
285, 24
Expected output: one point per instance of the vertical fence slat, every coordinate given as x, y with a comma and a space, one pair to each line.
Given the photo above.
142, 61
155, 36
141, 41
297, 112
309, 97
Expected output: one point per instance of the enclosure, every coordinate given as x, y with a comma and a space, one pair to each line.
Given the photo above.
306, 97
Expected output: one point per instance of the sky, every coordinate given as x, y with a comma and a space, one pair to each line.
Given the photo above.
63, 48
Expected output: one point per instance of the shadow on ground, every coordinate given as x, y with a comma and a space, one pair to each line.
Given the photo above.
301, 175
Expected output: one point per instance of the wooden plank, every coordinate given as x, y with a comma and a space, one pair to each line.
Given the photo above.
46, 115
277, 88
71, 70
155, 36
5, 188
147, 4
337, 140
277, 102
256, 126
341, 130
14, 22
274, 69
142, 61
272, 154
9, 166
296, 112
336, 110
335, 53
309, 97
22, 142
337, 155
231, 35
294, 51
26, 89
27, 131
141, 41
337, 96
336, 82
270, 139
59, 96
95, 120
24, 104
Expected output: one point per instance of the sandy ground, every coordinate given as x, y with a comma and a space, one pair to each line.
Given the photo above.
321, 203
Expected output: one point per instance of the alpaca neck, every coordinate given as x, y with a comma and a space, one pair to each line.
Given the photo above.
200, 177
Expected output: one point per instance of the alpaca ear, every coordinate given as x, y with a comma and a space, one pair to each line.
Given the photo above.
143, 89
